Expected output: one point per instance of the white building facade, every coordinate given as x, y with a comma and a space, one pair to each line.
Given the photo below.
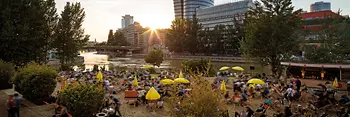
223, 14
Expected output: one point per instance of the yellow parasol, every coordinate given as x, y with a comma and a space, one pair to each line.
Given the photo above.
256, 81
135, 83
224, 68
167, 81
223, 86
152, 94
147, 66
181, 80
238, 68
181, 75
99, 76
335, 83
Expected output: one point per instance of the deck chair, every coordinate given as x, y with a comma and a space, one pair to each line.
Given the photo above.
131, 97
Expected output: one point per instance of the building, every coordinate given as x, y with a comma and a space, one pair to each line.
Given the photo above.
133, 34
185, 9
320, 6
223, 14
127, 20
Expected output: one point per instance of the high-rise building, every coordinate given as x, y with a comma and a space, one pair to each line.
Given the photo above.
133, 34
127, 20
320, 6
185, 9
223, 14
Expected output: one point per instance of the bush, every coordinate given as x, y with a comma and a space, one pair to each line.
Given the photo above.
35, 81
155, 57
203, 101
82, 100
198, 67
7, 71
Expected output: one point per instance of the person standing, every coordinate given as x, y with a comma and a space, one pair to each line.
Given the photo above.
18, 101
117, 106
298, 84
10, 105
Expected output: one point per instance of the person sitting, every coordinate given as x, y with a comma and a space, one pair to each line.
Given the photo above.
160, 103
344, 99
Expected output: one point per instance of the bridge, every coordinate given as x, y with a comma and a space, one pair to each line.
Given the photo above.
113, 51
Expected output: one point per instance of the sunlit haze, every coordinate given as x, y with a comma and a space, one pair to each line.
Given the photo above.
102, 15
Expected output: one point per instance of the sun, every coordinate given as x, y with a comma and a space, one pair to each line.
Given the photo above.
153, 28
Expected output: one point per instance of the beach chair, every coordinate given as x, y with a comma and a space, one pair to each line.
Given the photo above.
131, 97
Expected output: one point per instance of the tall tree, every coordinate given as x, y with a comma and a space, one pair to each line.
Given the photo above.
111, 39
176, 36
26, 29
119, 39
270, 32
193, 28
70, 36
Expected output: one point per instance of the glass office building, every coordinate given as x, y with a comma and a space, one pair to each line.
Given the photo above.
127, 20
320, 6
223, 14
185, 9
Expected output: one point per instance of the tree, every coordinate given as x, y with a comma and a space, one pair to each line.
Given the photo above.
198, 67
70, 37
203, 101
7, 71
111, 39
155, 57
120, 39
28, 25
82, 100
176, 36
193, 28
270, 33
35, 81
334, 40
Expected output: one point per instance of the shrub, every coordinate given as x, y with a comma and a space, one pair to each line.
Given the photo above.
203, 101
7, 71
82, 100
155, 57
35, 81
198, 67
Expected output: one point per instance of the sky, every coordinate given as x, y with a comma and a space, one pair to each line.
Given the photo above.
103, 15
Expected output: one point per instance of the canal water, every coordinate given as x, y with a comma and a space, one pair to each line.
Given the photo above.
91, 59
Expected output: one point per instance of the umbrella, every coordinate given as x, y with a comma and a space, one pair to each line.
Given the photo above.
335, 83
99, 76
147, 66
255, 81
238, 68
181, 75
152, 94
181, 80
224, 68
223, 86
135, 83
167, 81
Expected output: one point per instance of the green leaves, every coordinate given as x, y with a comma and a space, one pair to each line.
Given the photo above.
82, 100
7, 71
35, 81
155, 57
270, 32
69, 36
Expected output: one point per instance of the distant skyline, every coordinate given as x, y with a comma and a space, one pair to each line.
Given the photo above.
103, 15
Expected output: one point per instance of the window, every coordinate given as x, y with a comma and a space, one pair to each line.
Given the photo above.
309, 18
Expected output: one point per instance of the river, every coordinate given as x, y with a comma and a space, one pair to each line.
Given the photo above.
91, 59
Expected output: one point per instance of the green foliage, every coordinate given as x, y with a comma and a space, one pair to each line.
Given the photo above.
35, 81
82, 100
270, 33
203, 101
203, 67
188, 36
155, 57
70, 37
117, 39
334, 42
7, 71
26, 28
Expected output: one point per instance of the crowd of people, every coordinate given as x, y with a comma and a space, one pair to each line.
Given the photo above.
283, 97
